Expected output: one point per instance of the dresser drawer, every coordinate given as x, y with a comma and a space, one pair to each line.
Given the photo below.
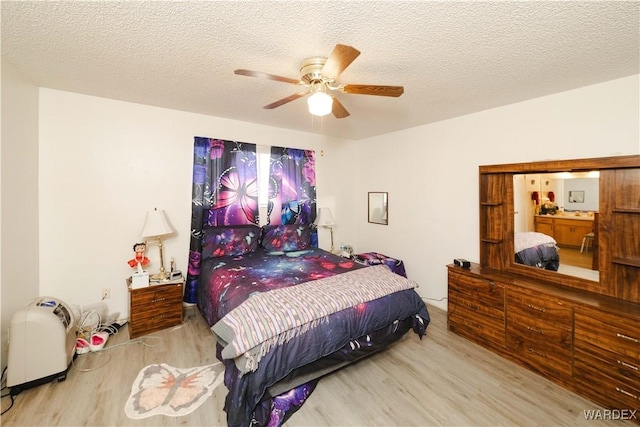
153, 296
541, 356
476, 327
612, 394
543, 220
539, 332
607, 358
617, 334
157, 320
475, 306
542, 331
156, 311
541, 307
592, 361
486, 291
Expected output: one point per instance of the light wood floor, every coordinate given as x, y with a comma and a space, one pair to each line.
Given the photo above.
442, 380
573, 256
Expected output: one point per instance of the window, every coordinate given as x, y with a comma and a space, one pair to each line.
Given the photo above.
263, 154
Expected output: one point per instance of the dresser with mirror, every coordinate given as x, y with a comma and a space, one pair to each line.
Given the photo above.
578, 329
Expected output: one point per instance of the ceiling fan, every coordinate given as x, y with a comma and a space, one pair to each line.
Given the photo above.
319, 75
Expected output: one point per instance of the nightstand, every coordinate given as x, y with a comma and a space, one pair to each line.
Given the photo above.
155, 307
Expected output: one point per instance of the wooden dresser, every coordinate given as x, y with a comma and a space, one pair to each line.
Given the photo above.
581, 333
590, 345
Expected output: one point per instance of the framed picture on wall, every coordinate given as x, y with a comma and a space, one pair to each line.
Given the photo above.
576, 196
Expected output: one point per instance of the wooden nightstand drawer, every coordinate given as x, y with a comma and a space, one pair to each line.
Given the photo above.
156, 322
154, 308
154, 296
155, 311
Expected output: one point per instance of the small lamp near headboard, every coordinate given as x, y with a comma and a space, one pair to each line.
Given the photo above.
156, 226
325, 220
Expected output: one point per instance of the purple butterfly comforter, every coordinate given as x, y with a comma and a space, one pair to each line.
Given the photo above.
288, 373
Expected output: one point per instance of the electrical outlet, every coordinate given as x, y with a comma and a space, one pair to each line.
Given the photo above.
106, 293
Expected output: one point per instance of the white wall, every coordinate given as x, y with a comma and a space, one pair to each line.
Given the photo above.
19, 265
103, 164
431, 172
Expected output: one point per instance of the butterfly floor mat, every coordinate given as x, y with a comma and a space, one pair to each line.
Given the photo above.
161, 389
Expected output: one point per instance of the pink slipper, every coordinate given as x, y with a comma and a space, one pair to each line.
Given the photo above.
82, 346
98, 340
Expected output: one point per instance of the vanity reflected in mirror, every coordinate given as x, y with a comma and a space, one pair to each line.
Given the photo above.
562, 207
378, 207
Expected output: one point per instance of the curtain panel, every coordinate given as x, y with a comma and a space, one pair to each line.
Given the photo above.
224, 192
292, 188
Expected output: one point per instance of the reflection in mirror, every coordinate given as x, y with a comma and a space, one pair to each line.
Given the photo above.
379, 208
555, 222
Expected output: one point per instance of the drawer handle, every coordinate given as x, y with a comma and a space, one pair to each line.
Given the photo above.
161, 316
473, 307
158, 300
627, 365
531, 350
475, 325
537, 331
626, 337
626, 392
533, 307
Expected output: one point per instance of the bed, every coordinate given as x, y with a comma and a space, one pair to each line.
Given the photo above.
286, 313
536, 250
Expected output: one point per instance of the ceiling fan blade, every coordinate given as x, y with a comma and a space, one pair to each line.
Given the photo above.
338, 109
340, 58
262, 75
284, 100
374, 90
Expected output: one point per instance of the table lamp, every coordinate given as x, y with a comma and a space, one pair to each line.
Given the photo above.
156, 226
325, 220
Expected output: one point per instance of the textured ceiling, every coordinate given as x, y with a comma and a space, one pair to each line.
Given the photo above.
453, 58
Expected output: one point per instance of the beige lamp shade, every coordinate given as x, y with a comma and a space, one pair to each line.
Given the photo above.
324, 218
156, 224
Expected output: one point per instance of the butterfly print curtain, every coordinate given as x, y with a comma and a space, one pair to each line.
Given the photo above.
224, 192
292, 188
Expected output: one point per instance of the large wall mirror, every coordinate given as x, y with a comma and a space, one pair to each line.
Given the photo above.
590, 211
555, 222
379, 207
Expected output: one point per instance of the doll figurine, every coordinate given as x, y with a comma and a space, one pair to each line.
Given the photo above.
140, 259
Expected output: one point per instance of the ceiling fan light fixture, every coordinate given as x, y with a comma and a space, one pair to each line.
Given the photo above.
320, 74
320, 103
